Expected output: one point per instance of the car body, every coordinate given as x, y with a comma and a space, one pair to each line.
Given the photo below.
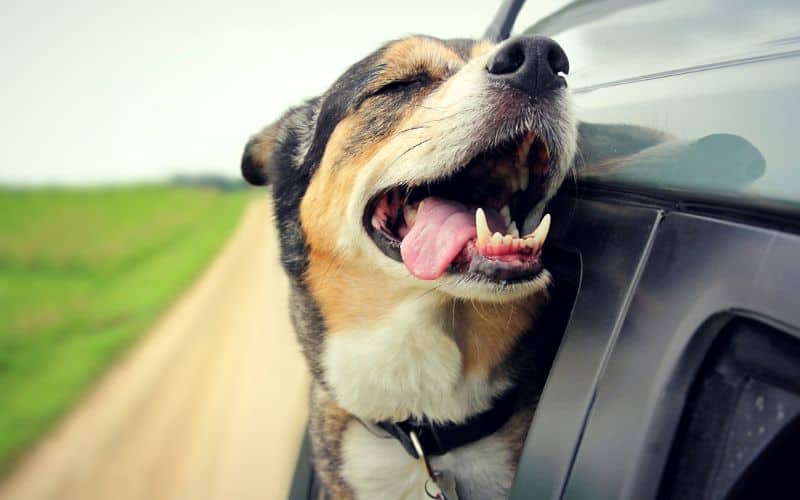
676, 369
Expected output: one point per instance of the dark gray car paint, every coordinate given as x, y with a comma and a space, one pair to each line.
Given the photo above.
699, 270
611, 241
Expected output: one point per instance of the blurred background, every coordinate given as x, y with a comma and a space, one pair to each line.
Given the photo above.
145, 348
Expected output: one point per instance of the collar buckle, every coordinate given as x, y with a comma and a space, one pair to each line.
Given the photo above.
436, 492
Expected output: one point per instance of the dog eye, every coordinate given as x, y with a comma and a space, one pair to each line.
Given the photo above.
402, 85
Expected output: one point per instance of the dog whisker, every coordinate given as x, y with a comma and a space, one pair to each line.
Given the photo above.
410, 129
475, 307
426, 292
510, 315
420, 143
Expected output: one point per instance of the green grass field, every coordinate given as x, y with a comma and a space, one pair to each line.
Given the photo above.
82, 274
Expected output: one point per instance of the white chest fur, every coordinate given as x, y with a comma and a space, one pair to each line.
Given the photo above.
376, 467
406, 364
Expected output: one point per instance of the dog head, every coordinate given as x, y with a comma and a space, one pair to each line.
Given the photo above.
424, 166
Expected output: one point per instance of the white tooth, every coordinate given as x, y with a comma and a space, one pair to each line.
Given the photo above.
524, 177
506, 213
482, 227
512, 229
532, 220
528, 242
507, 239
538, 227
540, 233
497, 239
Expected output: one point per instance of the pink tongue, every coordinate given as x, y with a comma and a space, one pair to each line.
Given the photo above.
441, 230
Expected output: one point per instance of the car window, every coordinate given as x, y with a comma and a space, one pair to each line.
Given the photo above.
695, 98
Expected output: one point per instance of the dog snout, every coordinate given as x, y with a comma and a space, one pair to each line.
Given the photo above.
529, 63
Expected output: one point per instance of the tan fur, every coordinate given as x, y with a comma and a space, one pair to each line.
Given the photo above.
349, 294
413, 55
481, 48
487, 332
264, 144
323, 206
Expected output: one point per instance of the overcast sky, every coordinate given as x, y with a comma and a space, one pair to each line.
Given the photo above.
109, 91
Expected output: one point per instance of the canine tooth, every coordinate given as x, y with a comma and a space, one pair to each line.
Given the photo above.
512, 229
540, 233
528, 242
538, 226
482, 227
524, 177
506, 213
497, 239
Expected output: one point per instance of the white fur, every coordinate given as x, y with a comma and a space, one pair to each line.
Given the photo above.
405, 365
377, 467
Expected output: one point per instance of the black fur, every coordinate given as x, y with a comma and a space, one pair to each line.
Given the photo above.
251, 170
289, 183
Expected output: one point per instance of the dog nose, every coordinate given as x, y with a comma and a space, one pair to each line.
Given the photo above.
530, 63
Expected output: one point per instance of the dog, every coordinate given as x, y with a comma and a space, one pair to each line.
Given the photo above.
409, 199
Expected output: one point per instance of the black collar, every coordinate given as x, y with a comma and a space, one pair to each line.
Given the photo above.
438, 439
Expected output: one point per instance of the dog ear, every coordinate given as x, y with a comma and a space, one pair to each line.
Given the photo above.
257, 155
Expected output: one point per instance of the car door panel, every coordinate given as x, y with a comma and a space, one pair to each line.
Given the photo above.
611, 240
700, 273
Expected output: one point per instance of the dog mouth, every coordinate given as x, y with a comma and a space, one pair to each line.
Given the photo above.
469, 223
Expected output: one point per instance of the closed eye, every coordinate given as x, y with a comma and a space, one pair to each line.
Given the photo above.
404, 85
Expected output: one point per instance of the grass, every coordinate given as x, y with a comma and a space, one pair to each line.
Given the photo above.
82, 274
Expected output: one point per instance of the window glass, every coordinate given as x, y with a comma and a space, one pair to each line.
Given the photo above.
685, 96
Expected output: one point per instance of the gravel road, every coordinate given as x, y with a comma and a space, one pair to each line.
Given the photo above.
210, 404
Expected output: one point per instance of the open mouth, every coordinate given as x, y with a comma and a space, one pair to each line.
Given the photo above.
468, 223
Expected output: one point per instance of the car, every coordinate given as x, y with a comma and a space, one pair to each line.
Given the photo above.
673, 370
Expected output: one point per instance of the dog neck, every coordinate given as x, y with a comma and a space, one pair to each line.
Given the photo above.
393, 354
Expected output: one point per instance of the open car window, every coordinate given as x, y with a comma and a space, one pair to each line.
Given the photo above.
694, 102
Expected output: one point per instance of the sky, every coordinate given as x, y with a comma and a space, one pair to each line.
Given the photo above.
97, 92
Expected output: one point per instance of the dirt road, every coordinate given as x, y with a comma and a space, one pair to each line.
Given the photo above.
211, 404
